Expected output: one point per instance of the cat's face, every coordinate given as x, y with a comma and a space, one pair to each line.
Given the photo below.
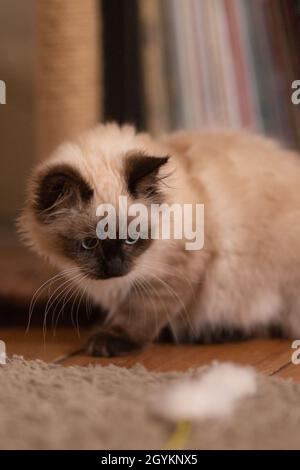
61, 213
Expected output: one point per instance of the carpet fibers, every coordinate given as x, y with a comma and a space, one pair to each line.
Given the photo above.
45, 406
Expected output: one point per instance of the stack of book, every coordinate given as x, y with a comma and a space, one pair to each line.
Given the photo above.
221, 63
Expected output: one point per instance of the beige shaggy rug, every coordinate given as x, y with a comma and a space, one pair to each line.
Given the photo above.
45, 406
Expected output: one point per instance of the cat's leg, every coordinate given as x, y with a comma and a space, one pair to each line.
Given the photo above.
136, 322
113, 340
131, 329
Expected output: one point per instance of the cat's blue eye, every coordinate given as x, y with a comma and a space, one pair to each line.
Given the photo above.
89, 243
132, 240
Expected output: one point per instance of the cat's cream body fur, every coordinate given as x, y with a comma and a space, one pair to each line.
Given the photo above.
247, 276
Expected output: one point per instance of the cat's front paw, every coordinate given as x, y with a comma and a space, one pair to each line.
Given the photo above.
111, 342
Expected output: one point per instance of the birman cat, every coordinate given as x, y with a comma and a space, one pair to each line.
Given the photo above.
246, 277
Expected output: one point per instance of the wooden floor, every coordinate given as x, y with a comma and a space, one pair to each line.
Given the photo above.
270, 357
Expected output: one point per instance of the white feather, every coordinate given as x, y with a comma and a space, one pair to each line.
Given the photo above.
213, 394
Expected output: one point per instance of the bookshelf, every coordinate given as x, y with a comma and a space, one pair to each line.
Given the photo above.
204, 63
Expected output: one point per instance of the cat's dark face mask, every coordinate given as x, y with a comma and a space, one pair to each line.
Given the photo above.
64, 203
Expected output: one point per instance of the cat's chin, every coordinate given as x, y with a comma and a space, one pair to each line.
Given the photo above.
108, 276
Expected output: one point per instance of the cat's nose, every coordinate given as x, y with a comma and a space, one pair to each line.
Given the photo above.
114, 267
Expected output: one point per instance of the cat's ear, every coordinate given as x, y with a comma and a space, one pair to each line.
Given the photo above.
142, 171
58, 188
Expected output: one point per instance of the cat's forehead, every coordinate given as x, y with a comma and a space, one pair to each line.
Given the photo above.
108, 145
103, 171
100, 156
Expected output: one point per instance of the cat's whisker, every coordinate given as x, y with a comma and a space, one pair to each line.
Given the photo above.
74, 291
78, 293
129, 299
175, 295
153, 304
39, 291
145, 294
153, 289
50, 302
156, 266
88, 311
56, 300
140, 290
144, 285
66, 297
59, 289
78, 306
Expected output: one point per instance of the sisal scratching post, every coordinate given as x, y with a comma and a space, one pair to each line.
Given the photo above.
68, 81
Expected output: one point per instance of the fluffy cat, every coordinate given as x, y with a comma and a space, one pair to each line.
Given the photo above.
246, 277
